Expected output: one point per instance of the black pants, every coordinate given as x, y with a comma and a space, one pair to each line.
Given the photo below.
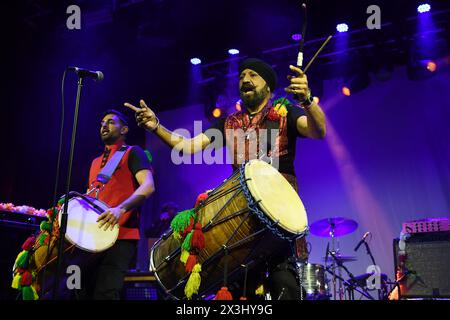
104, 281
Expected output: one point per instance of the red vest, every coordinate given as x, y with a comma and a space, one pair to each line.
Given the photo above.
121, 186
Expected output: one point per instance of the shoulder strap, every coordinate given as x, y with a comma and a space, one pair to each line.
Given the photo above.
105, 175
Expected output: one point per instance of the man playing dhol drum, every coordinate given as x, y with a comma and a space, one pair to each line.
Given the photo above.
257, 82
129, 185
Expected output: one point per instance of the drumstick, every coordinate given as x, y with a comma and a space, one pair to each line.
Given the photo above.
317, 53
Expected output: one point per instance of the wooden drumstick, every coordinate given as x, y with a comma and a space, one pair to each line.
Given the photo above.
317, 53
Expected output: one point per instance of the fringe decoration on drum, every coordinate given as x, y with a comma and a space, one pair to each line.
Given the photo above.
184, 256
223, 293
24, 278
186, 228
191, 262
198, 239
193, 283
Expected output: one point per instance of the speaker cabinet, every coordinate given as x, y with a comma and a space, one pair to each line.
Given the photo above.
425, 267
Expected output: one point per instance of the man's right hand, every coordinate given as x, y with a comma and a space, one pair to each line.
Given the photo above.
145, 117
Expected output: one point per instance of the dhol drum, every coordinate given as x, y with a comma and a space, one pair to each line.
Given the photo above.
252, 214
84, 242
314, 282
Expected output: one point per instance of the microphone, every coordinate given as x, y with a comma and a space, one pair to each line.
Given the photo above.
362, 240
327, 253
96, 75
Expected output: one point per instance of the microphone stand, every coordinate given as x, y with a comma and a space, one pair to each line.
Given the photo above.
350, 286
369, 252
63, 224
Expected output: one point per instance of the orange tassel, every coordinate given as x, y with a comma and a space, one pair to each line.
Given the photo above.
191, 262
198, 239
223, 294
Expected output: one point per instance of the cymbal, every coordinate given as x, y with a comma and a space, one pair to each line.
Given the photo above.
341, 258
339, 226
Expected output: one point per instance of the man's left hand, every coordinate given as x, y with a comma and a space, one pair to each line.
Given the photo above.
299, 84
110, 218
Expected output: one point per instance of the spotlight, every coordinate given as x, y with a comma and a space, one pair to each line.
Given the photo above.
423, 8
217, 112
346, 91
356, 83
296, 37
342, 27
196, 61
233, 51
431, 66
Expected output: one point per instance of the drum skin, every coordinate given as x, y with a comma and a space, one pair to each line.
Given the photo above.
226, 220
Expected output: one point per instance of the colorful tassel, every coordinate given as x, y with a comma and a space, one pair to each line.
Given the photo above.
198, 239
260, 290
22, 259
201, 198
191, 262
176, 235
27, 293
44, 238
186, 245
46, 226
193, 283
184, 256
182, 220
223, 294
16, 281
188, 229
29, 243
26, 279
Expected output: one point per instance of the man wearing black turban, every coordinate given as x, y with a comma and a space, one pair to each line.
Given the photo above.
257, 83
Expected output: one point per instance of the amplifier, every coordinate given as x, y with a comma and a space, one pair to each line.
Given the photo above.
140, 286
426, 225
425, 266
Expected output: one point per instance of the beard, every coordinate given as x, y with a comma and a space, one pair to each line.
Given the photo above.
255, 99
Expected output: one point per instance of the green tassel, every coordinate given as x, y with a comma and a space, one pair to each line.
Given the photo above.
22, 259
46, 226
187, 242
282, 101
27, 293
42, 238
176, 235
182, 220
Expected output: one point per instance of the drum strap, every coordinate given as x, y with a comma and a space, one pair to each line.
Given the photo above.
108, 170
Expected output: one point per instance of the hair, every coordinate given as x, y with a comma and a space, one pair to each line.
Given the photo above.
120, 115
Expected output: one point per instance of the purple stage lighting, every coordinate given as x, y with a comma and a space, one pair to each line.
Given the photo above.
296, 37
423, 8
342, 27
196, 61
233, 51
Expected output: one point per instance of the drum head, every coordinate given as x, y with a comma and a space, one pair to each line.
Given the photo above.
278, 200
82, 226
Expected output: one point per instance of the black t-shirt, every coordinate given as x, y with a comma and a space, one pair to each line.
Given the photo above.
286, 162
137, 160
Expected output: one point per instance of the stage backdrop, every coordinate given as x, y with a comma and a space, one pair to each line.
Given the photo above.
385, 160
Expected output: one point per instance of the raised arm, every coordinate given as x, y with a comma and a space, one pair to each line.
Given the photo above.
147, 119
